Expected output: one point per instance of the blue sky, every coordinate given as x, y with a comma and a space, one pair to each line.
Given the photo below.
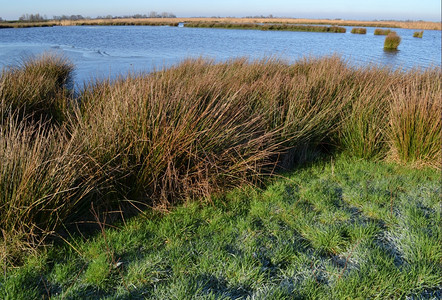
345, 9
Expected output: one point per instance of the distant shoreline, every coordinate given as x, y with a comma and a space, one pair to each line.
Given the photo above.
422, 25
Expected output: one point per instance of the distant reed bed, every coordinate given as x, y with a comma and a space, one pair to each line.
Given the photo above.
119, 22
276, 27
192, 130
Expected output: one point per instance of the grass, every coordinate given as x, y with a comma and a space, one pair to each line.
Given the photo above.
359, 30
418, 34
392, 41
190, 132
379, 31
275, 27
343, 229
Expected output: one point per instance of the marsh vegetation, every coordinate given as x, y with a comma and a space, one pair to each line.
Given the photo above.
192, 133
277, 27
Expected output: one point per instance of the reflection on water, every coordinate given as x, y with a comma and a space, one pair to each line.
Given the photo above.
104, 51
391, 52
390, 56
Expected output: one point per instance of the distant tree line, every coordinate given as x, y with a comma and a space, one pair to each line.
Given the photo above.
260, 17
72, 17
40, 18
152, 14
32, 18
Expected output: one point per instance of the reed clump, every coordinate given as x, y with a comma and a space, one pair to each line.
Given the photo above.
379, 31
39, 87
392, 41
359, 30
415, 124
365, 119
193, 130
185, 132
418, 34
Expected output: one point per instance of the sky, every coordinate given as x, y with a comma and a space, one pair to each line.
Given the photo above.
429, 10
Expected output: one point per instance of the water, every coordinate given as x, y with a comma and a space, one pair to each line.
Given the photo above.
104, 51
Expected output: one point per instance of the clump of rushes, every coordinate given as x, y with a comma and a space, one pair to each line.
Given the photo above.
201, 127
45, 180
418, 34
359, 30
364, 121
415, 129
37, 87
392, 41
379, 31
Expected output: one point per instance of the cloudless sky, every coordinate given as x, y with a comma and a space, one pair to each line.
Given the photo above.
346, 9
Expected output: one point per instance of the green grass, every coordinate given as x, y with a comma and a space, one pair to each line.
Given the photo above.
277, 27
343, 229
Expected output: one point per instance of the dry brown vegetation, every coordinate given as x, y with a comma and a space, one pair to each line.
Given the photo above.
423, 25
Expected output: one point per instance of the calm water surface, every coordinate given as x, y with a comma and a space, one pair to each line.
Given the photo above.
103, 51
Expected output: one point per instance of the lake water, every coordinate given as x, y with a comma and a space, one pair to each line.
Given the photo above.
102, 51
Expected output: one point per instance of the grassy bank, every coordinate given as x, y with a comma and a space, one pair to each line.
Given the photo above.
152, 21
190, 132
342, 229
276, 27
